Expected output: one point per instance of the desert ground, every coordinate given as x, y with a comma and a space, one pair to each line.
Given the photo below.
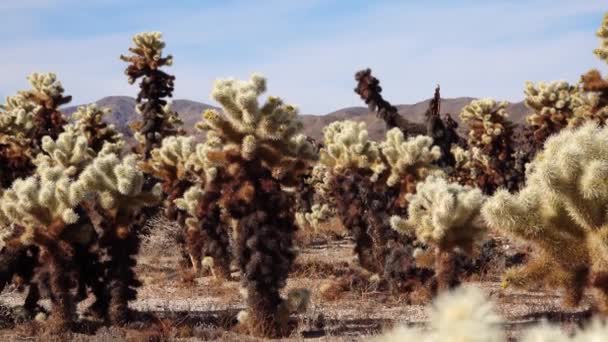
173, 305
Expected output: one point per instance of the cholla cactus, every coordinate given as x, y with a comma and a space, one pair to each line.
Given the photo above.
492, 133
445, 216
119, 188
487, 120
369, 90
158, 119
89, 121
347, 146
318, 214
462, 315
47, 93
563, 204
69, 151
602, 33
410, 161
552, 104
267, 132
17, 116
260, 152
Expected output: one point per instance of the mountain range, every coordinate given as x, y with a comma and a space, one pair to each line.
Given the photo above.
123, 112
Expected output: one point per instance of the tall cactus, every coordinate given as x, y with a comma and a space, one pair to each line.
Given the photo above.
158, 121
260, 153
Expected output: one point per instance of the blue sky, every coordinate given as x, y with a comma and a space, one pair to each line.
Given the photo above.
308, 49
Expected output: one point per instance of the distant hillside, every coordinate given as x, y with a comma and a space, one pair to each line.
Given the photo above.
123, 112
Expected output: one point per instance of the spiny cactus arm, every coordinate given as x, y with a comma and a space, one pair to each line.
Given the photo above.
39, 201
266, 132
347, 146
70, 151
190, 201
119, 184
168, 162
443, 214
487, 120
413, 156
553, 104
369, 90
602, 34
90, 121
147, 55
46, 91
17, 116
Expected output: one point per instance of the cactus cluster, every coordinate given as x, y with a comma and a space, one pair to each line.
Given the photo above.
561, 210
491, 132
89, 120
445, 216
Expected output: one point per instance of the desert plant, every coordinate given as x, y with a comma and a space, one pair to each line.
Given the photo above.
445, 216
442, 131
561, 212
158, 121
24, 120
89, 120
368, 88
261, 152
492, 133
355, 164
120, 194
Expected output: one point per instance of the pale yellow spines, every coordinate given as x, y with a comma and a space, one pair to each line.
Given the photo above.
587, 106
17, 116
118, 184
574, 167
491, 114
414, 156
267, 131
602, 34
189, 203
198, 162
553, 100
171, 157
443, 214
38, 201
347, 146
46, 85
69, 150
148, 52
318, 214
90, 116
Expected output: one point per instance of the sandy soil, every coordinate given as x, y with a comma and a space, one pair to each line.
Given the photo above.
205, 309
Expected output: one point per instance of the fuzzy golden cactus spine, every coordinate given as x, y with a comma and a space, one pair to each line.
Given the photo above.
563, 204
446, 217
46, 206
89, 120
261, 151
121, 194
158, 121
492, 132
47, 93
